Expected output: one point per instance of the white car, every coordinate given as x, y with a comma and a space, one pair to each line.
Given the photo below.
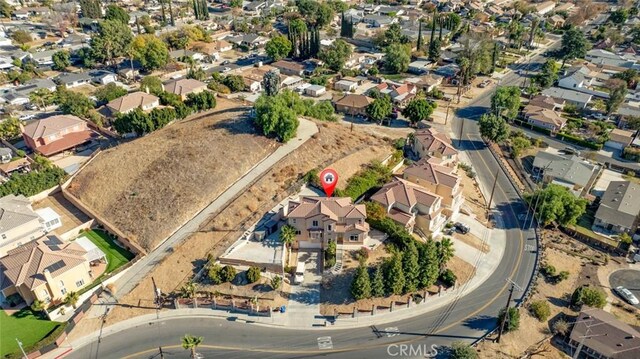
298, 278
626, 295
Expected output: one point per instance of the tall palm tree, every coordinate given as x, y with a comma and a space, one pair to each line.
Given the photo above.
288, 236
445, 251
72, 299
190, 342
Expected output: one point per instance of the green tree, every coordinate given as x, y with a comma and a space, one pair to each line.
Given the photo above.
150, 51
214, 274
71, 299
109, 92
418, 109
235, 3
235, 83
111, 41
619, 16
410, 268
592, 297
574, 45
42, 98
201, 101
335, 55
228, 273
5, 9
315, 13
276, 282
435, 50
278, 47
445, 252
513, 320
152, 84
460, 350
91, 9
393, 275
540, 309
37, 306
617, 93
397, 58
271, 83
61, 60
361, 285
519, 144
506, 101
73, 103
630, 76
253, 274
21, 37
493, 128
556, 204
548, 74
288, 236
429, 263
10, 128
188, 290
377, 283
275, 117
380, 108
116, 13
190, 342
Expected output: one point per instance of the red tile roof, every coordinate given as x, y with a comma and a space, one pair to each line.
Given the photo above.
67, 141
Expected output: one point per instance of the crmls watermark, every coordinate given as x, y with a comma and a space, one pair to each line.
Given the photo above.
412, 350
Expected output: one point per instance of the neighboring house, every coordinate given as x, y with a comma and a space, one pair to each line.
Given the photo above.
289, 67
12, 97
55, 134
319, 220
315, 90
345, 86
223, 46
439, 179
400, 94
568, 171
36, 84
20, 165
181, 54
419, 67
354, 105
619, 208
103, 77
428, 83
544, 117
556, 21
545, 7
253, 40
547, 102
43, 58
411, 205
599, 335
619, 139
576, 98
46, 269
71, 80
184, 87
129, 102
355, 60
429, 142
252, 85
49, 218
379, 20
5, 155
19, 224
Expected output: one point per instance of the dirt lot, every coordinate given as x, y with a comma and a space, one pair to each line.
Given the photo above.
326, 147
565, 254
473, 241
346, 169
473, 197
150, 186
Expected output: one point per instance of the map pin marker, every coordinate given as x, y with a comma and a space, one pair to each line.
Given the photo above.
329, 180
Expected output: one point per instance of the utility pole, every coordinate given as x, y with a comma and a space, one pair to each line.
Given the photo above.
493, 189
24, 355
161, 353
506, 310
157, 299
447, 116
461, 127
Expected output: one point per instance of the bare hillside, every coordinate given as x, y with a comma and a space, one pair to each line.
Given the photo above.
150, 186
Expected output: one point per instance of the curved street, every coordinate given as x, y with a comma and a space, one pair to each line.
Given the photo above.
466, 318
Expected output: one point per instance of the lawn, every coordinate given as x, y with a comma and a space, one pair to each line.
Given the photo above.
116, 255
28, 328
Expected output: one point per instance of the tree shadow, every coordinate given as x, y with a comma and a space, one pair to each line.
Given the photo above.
242, 124
471, 112
469, 145
559, 302
481, 322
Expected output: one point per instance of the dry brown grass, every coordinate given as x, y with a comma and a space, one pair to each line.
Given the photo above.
150, 186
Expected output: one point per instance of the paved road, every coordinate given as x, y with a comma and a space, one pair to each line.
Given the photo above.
467, 318
628, 278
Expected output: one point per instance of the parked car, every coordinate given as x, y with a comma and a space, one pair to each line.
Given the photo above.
299, 275
484, 83
225, 62
449, 231
626, 295
571, 151
462, 228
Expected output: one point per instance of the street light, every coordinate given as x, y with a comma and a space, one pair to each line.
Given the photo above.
24, 355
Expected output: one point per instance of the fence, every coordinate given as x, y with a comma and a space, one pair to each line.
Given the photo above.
228, 305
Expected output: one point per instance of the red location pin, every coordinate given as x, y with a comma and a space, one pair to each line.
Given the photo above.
329, 180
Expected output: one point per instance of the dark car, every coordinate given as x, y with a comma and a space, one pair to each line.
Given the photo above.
462, 228
225, 62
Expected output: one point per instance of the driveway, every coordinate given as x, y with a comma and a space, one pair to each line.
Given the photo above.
628, 278
303, 309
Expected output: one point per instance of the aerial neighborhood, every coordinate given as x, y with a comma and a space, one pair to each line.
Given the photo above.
464, 169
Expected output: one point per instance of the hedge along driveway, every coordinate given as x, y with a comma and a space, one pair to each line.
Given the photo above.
116, 255
23, 325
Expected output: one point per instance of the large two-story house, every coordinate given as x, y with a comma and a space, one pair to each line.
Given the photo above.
55, 134
619, 209
438, 179
429, 142
19, 223
319, 220
131, 101
412, 206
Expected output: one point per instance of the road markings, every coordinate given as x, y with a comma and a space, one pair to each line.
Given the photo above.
325, 343
392, 331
